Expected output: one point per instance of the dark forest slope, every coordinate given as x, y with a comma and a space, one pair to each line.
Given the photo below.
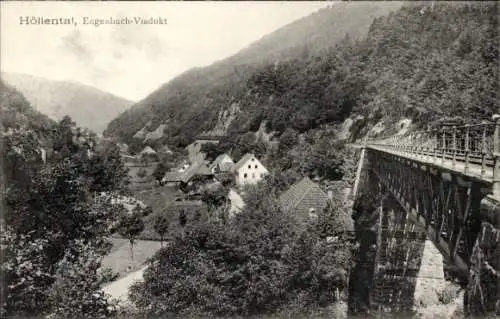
426, 62
195, 98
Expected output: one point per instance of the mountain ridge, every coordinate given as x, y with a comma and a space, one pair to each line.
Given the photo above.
87, 105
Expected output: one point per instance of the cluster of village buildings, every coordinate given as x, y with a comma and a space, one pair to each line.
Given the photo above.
305, 198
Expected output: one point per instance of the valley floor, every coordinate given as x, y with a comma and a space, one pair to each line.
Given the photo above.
119, 259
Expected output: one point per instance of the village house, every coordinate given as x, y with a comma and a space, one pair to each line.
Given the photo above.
248, 170
223, 163
172, 178
304, 199
148, 154
190, 178
147, 151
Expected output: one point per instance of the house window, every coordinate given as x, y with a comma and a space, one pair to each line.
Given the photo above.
253, 159
249, 166
255, 166
245, 175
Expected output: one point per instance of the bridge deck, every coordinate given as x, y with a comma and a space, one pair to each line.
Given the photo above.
473, 170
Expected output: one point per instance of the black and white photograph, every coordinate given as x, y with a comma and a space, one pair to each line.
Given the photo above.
249, 159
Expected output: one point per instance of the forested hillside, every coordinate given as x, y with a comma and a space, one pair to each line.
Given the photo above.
426, 63
195, 98
16, 111
88, 106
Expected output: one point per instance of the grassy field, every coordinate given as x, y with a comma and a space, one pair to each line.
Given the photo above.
158, 197
119, 259
137, 182
161, 200
172, 214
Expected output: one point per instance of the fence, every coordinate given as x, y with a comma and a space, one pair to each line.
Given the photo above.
472, 149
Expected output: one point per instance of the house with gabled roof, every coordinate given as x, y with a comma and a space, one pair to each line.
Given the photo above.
148, 154
148, 150
304, 199
223, 163
248, 170
199, 171
172, 178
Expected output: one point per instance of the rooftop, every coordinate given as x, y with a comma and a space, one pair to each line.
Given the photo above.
303, 196
242, 161
222, 160
148, 150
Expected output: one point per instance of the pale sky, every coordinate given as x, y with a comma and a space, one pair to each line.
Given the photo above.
133, 60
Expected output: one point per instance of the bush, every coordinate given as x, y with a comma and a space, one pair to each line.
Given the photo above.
74, 293
147, 211
141, 173
161, 169
107, 275
256, 264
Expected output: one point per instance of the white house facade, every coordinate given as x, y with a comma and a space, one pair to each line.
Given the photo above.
249, 170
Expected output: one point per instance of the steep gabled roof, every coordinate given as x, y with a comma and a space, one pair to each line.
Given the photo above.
198, 168
242, 161
204, 169
302, 196
222, 159
148, 150
190, 172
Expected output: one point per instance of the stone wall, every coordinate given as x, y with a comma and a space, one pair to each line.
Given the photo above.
400, 245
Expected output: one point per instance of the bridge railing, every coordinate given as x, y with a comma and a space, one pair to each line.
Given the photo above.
467, 147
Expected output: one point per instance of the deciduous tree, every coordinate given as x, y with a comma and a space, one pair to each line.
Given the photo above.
130, 226
161, 226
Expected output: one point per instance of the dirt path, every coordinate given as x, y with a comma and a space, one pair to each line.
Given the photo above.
119, 289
